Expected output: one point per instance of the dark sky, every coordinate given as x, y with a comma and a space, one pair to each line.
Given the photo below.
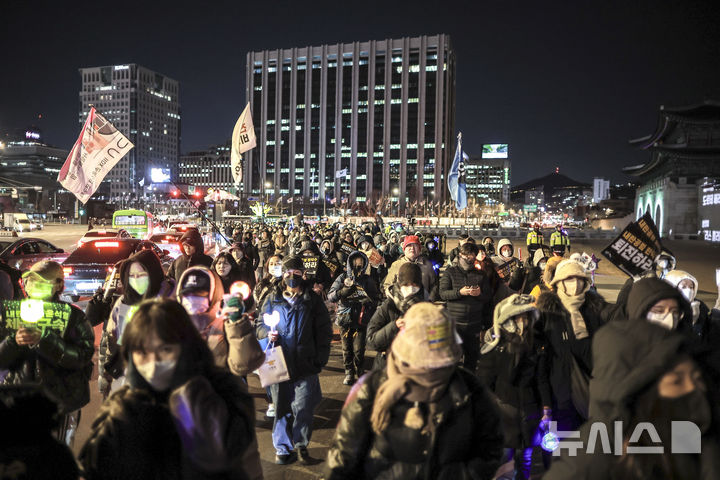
566, 84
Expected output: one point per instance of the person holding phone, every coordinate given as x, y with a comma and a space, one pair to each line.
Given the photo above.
468, 296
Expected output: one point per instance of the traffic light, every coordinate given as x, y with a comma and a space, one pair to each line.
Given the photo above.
197, 193
174, 193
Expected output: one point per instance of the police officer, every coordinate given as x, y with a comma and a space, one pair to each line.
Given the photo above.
559, 240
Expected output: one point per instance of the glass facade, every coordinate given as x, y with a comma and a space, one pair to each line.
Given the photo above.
382, 111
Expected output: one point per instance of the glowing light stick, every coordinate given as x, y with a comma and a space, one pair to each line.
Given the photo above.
31, 311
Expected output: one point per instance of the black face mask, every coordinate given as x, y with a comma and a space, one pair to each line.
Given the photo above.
692, 407
357, 269
293, 281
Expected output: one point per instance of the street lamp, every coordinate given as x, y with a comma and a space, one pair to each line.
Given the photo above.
268, 185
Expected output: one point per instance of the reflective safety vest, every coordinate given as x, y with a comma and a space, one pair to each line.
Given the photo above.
559, 238
534, 237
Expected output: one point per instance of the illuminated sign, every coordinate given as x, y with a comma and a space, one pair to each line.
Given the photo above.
709, 212
160, 175
121, 67
495, 150
32, 135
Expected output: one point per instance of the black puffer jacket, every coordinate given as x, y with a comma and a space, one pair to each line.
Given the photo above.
467, 443
382, 329
617, 336
357, 303
472, 314
61, 364
561, 342
183, 262
630, 357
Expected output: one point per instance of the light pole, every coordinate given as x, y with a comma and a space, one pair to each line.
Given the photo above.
396, 192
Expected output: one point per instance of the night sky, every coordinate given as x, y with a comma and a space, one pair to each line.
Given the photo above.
566, 84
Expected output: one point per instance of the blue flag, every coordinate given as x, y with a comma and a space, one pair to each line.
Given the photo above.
456, 177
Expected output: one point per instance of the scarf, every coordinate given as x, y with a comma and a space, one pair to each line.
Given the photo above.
413, 384
572, 304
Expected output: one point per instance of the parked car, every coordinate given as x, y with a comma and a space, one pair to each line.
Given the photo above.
22, 253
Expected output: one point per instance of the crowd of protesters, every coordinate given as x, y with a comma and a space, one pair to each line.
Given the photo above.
478, 356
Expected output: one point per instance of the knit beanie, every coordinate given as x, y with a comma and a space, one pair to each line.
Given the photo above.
428, 340
550, 267
409, 274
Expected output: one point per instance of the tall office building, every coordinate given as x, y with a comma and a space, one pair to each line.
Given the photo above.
488, 180
145, 106
601, 189
384, 110
207, 168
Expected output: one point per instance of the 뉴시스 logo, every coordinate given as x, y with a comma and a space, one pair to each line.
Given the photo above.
685, 438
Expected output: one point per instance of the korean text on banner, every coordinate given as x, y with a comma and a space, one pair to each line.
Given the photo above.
635, 250
243, 139
98, 148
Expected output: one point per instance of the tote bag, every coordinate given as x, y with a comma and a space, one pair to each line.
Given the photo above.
274, 369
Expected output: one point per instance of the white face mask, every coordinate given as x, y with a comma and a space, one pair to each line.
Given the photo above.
276, 271
409, 290
139, 284
158, 374
688, 293
666, 320
195, 305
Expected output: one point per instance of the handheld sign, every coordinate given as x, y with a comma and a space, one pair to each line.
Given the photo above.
376, 259
31, 313
347, 248
636, 248
311, 265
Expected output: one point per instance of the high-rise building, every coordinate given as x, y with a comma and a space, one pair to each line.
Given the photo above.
383, 110
488, 180
207, 168
145, 106
601, 189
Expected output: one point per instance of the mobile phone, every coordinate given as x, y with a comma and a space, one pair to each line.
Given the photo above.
717, 277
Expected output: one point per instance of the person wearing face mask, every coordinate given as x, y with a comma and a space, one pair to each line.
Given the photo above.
304, 333
230, 271
320, 278
489, 245
515, 275
387, 320
570, 315
179, 416
412, 249
548, 272
705, 322
467, 295
366, 245
513, 366
331, 258
534, 268
59, 361
356, 295
141, 278
193, 254
653, 379
422, 416
244, 263
270, 281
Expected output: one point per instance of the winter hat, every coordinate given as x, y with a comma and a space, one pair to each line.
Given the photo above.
46, 270
410, 239
293, 263
550, 267
539, 255
193, 281
428, 340
676, 276
503, 243
511, 306
567, 269
409, 274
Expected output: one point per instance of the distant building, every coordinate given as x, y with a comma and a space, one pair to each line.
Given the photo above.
601, 189
684, 150
29, 170
488, 180
384, 110
207, 168
559, 193
709, 210
145, 106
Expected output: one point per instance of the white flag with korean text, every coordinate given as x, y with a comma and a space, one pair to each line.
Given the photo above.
97, 150
243, 139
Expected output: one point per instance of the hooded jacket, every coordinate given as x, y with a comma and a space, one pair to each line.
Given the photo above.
517, 274
356, 304
622, 371
207, 323
184, 261
382, 329
517, 373
621, 336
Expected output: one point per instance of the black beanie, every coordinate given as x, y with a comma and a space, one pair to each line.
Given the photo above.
293, 263
409, 274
